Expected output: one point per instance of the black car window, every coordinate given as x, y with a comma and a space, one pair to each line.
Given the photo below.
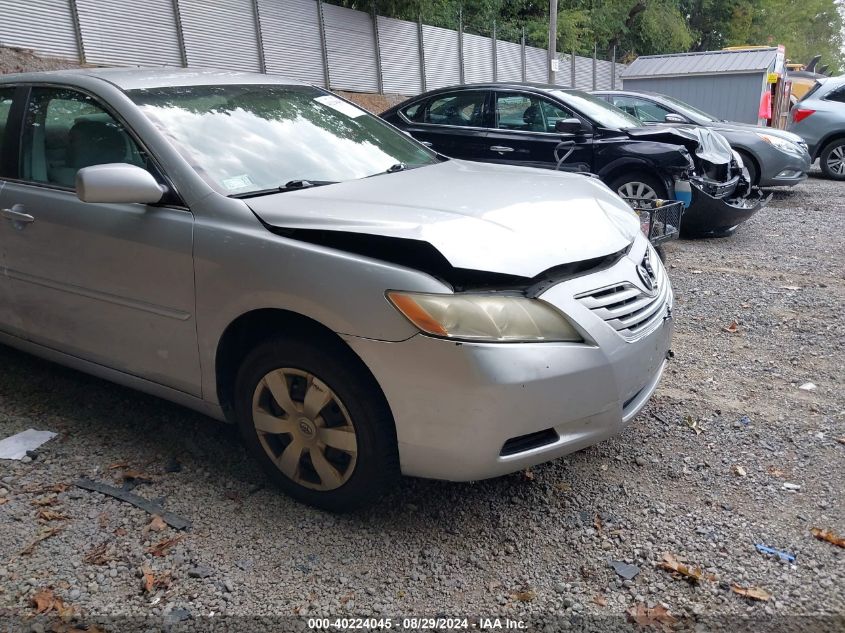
837, 95
527, 112
464, 108
66, 130
414, 112
6, 95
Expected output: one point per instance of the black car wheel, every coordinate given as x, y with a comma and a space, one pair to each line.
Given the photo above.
639, 185
832, 159
316, 420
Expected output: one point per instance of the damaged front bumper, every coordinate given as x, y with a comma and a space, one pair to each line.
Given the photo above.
718, 215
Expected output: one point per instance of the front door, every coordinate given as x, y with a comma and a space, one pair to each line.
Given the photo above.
108, 283
524, 134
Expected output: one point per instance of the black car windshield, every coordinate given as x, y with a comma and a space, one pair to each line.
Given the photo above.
597, 110
251, 138
692, 113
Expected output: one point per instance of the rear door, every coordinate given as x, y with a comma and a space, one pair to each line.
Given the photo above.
109, 283
7, 166
451, 123
523, 133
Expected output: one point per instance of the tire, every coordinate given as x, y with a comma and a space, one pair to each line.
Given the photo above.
751, 166
631, 181
358, 464
832, 159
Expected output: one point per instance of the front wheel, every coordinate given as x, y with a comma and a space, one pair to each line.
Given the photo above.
639, 185
751, 166
832, 159
315, 419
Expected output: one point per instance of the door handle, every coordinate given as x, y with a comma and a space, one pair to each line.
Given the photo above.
18, 217
501, 148
426, 143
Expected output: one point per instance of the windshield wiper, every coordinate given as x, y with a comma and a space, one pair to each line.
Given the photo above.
291, 185
392, 169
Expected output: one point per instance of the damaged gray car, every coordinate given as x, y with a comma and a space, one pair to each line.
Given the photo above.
271, 255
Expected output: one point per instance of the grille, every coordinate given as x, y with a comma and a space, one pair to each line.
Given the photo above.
627, 308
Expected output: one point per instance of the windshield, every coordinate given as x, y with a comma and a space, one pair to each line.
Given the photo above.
251, 138
692, 113
598, 110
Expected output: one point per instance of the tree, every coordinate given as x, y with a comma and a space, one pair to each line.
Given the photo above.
640, 27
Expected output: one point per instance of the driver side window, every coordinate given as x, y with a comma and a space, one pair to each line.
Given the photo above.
528, 113
66, 130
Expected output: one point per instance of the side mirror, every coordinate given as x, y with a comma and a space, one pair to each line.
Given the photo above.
674, 118
117, 182
569, 126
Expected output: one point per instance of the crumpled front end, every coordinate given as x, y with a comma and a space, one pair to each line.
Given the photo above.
716, 211
721, 195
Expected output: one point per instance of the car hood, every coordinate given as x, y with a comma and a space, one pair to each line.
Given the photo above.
496, 218
708, 145
731, 126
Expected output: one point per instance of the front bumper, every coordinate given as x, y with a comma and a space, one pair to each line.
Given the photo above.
456, 405
780, 169
709, 216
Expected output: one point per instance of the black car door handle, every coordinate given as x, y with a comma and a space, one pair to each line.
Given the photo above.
17, 216
501, 148
426, 143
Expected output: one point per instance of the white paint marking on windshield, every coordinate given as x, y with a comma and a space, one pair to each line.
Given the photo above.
238, 182
340, 105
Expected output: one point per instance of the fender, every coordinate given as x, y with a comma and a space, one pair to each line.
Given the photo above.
632, 163
831, 136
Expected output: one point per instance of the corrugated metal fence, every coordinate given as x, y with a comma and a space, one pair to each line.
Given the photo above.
310, 40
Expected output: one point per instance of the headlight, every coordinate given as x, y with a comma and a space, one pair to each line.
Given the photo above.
494, 318
779, 143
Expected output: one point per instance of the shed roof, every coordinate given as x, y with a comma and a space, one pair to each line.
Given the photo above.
706, 63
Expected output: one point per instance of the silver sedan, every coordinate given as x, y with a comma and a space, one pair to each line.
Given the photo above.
271, 255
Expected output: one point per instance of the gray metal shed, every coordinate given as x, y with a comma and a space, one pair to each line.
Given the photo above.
727, 84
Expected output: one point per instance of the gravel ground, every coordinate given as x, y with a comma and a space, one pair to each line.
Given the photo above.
700, 475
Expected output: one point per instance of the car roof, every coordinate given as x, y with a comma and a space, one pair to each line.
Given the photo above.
644, 93
135, 78
516, 85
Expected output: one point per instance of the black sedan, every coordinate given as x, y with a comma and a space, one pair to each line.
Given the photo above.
550, 127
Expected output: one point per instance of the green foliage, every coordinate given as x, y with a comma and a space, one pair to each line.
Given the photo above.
640, 27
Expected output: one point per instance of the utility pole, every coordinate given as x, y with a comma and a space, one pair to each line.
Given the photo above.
552, 40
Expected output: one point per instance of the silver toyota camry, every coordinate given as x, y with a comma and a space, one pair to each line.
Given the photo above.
270, 254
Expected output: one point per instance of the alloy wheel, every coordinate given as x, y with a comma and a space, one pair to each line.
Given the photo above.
305, 429
636, 189
836, 160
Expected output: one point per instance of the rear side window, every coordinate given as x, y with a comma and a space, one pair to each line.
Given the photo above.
461, 108
414, 112
837, 95
6, 95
